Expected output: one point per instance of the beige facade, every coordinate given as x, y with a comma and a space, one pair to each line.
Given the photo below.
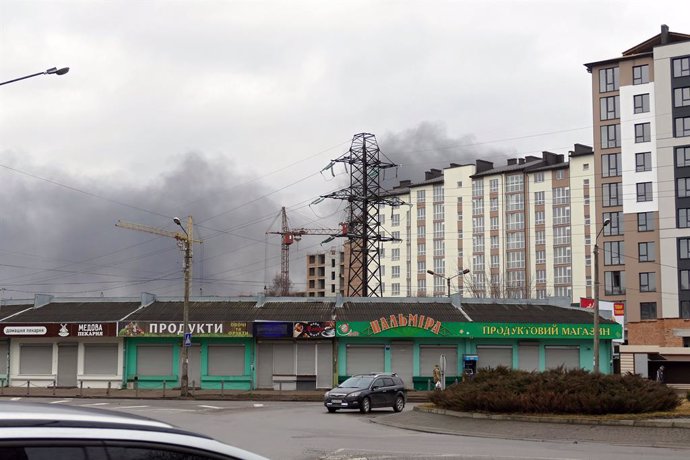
325, 273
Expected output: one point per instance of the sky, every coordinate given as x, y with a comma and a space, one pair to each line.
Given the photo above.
227, 111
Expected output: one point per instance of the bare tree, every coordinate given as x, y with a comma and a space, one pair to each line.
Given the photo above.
278, 287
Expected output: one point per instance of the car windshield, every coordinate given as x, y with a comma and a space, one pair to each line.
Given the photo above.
358, 381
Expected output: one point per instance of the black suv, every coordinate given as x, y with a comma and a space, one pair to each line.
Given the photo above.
366, 391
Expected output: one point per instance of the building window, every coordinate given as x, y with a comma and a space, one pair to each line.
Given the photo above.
561, 235
382, 219
645, 222
541, 257
644, 191
683, 187
611, 165
640, 74
613, 253
681, 97
438, 211
395, 289
562, 275
647, 282
421, 231
683, 127
515, 202
517, 240
540, 237
477, 224
439, 247
439, 230
685, 314
516, 260
438, 193
610, 136
684, 248
421, 196
561, 215
681, 67
608, 79
515, 221
421, 266
459, 184
421, 213
494, 242
647, 310
478, 206
539, 177
561, 195
395, 254
682, 156
612, 195
609, 107
478, 187
396, 236
494, 223
643, 132
395, 220
614, 228
495, 260
421, 249
395, 271
641, 103
683, 218
685, 280
585, 167
539, 217
614, 283
646, 251
493, 186
643, 161
561, 255
541, 276
494, 204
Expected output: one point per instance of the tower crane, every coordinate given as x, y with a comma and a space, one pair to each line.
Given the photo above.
289, 236
184, 241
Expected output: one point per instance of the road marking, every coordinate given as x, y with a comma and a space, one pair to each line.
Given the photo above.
15, 399
258, 405
131, 407
60, 401
94, 404
211, 407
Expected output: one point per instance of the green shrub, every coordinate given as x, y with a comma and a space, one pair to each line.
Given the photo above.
556, 391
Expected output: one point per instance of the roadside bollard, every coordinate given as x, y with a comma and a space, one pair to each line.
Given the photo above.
191, 390
81, 388
428, 385
54, 386
28, 386
107, 391
136, 386
222, 389
164, 388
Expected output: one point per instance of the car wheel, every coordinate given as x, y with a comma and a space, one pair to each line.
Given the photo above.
399, 404
365, 407
332, 410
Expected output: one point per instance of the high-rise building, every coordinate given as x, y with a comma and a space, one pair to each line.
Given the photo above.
641, 109
325, 273
523, 230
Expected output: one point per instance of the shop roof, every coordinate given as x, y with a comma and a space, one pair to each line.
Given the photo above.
527, 313
198, 311
369, 311
296, 311
72, 312
9, 310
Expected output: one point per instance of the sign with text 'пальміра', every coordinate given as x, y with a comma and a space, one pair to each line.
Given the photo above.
413, 325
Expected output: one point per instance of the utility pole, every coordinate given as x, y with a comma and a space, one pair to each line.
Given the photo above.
184, 241
595, 322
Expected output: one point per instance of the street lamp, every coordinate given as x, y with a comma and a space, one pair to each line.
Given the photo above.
51, 71
187, 248
596, 296
441, 275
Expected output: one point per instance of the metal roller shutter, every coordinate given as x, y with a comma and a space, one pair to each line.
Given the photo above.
324, 371
566, 356
365, 359
226, 360
306, 359
154, 359
4, 350
494, 356
264, 361
401, 361
36, 359
528, 357
429, 356
284, 358
100, 358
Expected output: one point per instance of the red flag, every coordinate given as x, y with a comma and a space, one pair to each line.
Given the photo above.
586, 303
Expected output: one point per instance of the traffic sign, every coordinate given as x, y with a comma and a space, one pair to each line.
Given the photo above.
188, 339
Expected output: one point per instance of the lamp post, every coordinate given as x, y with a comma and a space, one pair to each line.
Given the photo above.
441, 275
51, 71
187, 247
596, 296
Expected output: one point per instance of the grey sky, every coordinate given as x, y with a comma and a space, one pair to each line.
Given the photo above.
228, 110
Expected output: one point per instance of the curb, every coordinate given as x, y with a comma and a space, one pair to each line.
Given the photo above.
656, 423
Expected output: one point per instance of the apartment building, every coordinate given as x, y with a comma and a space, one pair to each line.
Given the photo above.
523, 230
641, 110
325, 273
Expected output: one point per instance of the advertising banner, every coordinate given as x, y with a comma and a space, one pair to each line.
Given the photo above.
58, 330
175, 329
410, 325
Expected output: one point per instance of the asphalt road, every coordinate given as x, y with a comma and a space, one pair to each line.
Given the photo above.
304, 430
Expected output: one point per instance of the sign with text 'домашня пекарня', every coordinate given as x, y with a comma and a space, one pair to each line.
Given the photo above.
425, 326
